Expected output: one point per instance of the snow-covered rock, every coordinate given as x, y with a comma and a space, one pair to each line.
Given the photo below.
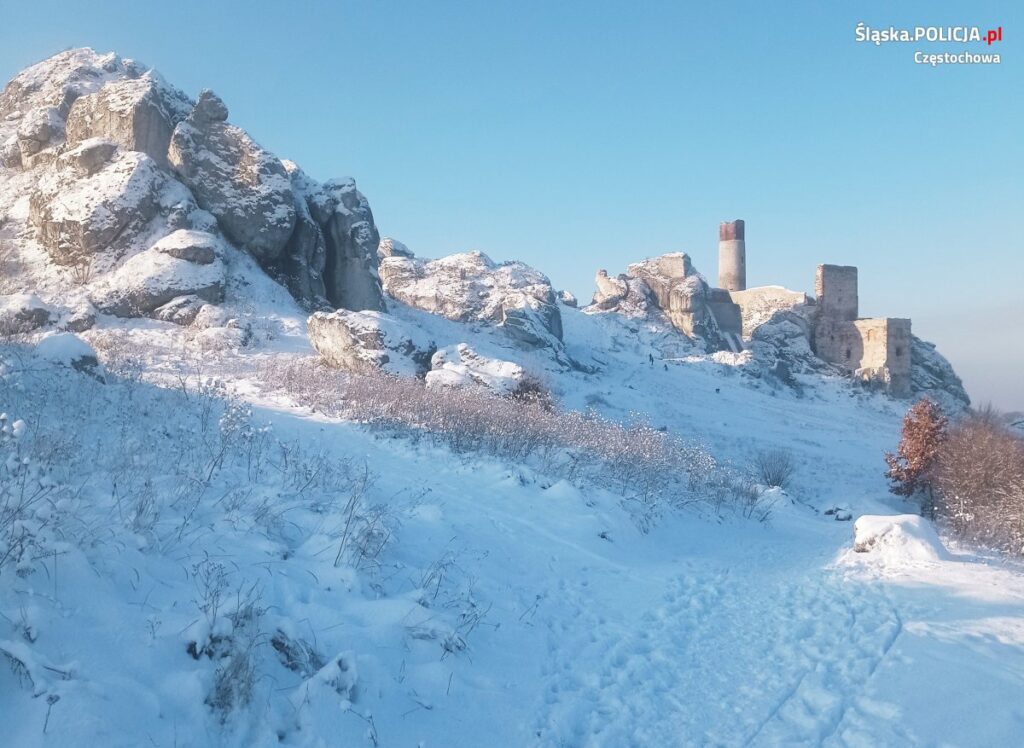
24, 312
389, 247
461, 366
151, 279
667, 285
77, 217
471, 287
138, 114
67, 349
932, 376
245, 186
368, 340
896, 539
351, 278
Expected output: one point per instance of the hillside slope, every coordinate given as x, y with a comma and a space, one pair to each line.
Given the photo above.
208, 537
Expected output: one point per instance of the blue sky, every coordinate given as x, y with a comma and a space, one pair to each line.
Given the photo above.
577, 136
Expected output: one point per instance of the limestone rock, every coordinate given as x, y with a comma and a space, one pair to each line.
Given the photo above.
195, 246
305, 257
246, 187
461, 366
568, 299
138, 114
932, 376
39, 129
181, 310
667, 285
471, 287
150, 279
23, 313
88, 157
351, 275
369, 340
76, 217
392, 248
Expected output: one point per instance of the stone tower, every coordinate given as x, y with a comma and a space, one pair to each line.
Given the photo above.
732, 256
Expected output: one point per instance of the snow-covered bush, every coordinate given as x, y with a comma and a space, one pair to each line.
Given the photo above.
775, 467
979, 482
649, 467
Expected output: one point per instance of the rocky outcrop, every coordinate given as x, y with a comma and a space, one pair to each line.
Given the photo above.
351, 276
667, 285
471, 287
367, 341
138, 114
461, 366
35, 104
932, 376
302, 266
78, 215
244, 186
150, 279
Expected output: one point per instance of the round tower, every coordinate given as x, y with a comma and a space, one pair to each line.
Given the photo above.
732, 256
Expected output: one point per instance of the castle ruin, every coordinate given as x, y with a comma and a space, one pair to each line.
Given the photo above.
874, 350
726, 317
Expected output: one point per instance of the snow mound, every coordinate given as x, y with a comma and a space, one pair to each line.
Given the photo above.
898, 539
67, 349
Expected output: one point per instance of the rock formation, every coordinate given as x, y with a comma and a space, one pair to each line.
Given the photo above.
667, 285
115, 158
244, 186
472, 287
366, 341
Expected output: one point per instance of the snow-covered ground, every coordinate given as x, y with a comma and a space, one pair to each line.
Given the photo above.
484, 603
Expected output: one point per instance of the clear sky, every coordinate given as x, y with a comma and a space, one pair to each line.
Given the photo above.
584, 135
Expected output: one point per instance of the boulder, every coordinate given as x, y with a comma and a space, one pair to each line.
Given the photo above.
137, 114
39, 129
67, 349
88, 157
195, 246
244, 186
150, 279
567, 299
369, 340
76, 217
471, 287
461, 366
23, 313
181, 310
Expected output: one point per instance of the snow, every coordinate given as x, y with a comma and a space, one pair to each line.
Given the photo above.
894, 540
208, 560
63, 348
461, 366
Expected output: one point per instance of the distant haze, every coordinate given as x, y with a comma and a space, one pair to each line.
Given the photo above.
578, 136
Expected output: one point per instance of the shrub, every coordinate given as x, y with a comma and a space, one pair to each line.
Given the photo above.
640, 462
979, 484
910, 469
775, 467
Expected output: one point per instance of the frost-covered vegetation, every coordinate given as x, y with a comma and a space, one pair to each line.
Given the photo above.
651, 468
968, 474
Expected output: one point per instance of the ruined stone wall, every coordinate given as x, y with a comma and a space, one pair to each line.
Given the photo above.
875, 350
836, 289
758, 305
